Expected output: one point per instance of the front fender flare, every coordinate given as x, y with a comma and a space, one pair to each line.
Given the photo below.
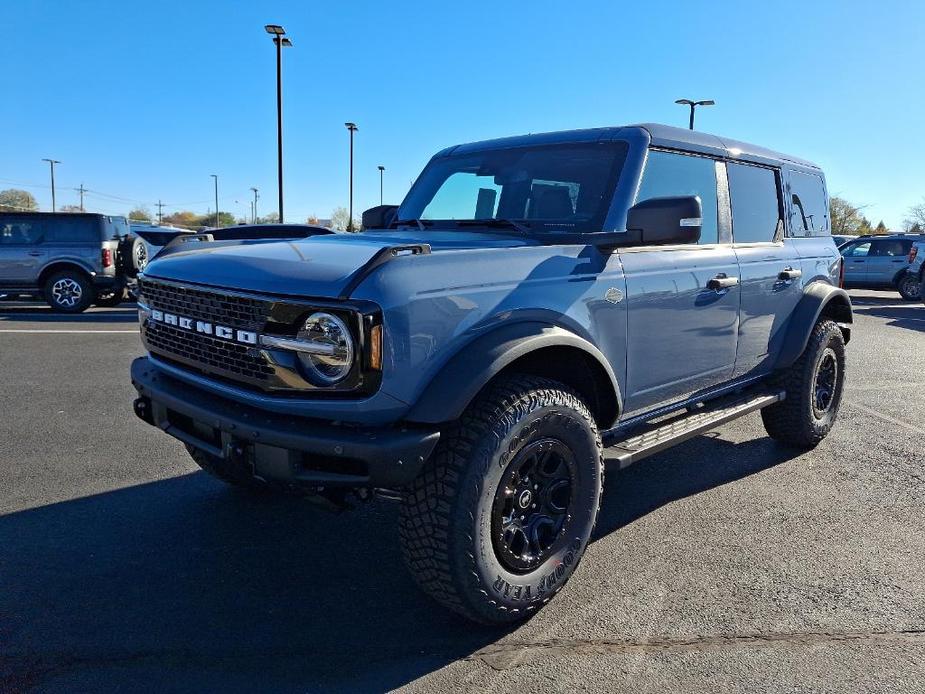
818, 298
465, 374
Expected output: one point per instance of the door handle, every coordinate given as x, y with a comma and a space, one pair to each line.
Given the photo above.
900, 260
790, 274
36, 253
721, 282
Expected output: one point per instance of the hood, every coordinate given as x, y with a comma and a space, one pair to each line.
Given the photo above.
318, 266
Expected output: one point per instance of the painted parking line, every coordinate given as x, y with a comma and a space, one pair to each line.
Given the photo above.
70, 332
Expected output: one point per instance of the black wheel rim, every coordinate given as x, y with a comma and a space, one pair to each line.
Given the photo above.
532, 506
825, 384
911, 286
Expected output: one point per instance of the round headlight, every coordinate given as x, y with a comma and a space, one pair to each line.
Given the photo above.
329, 332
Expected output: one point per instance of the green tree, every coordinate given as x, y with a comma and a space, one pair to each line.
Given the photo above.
272, 218
140, 214
881, 228
225, 219
184, 219
847, 219
16, 200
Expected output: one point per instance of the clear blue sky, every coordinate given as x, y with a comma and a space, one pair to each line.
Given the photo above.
144, 100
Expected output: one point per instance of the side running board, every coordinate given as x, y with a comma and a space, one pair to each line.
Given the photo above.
656, 437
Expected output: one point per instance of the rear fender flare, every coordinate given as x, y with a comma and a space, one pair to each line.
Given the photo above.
819, 298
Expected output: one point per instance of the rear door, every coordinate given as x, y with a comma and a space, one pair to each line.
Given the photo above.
769, 268
681, 335
886, 258
21, 253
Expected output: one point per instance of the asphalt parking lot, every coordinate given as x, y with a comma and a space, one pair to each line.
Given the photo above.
726, 564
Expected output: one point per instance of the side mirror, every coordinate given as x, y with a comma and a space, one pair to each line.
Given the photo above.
379, 217
666, 220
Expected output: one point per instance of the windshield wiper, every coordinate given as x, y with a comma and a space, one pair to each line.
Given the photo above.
419, 223
495, 222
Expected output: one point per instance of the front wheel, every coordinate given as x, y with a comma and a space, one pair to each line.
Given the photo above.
814, 385
909, 288
499, 517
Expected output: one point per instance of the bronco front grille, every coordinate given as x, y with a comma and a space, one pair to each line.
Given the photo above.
206, 353
232, 310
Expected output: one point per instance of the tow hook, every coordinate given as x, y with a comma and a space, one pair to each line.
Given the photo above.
142, 407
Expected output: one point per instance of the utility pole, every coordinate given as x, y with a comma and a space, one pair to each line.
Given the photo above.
215, 176
160, 215
52, 162
352, 127
254, 207
81, 190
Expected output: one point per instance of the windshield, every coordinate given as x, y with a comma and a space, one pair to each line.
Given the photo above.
543, 188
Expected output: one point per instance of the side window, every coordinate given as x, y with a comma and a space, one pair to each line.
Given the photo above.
668, 174
857, 250
809, 214
890, 248
76, 229
20, 232
754, 201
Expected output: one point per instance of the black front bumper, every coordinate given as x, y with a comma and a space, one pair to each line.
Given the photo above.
283, 450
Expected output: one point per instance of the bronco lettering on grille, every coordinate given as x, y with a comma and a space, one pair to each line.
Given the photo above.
245, 337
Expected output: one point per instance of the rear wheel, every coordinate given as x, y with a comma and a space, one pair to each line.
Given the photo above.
69, 291
909, 288
499, 517
814, 385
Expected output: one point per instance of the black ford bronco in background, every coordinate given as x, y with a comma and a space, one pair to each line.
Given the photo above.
533, 301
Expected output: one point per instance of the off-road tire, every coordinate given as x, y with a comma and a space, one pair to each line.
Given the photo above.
795, 421
909, 288
234, 474
69, 291
446, 514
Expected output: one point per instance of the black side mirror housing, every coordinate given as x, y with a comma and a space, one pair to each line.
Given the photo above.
666, 220
379, 217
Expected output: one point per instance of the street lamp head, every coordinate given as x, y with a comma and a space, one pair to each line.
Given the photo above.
351, 126
286, 43
381, 168
214, 175
275, 29
52, 161
708, 102
686, 102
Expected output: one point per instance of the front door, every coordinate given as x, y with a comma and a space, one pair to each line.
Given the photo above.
21, 253
681, 333
855, 255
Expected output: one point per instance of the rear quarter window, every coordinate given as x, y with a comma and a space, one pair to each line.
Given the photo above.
87, 229
809, 210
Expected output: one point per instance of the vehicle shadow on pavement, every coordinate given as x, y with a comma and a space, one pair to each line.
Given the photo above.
693, 467
910, 316
199, 587
13, 314
192, 585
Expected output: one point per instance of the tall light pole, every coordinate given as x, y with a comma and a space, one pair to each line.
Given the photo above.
255, 206
693, 105
52, 163
278, 38
215, 176
381, 170
352, 127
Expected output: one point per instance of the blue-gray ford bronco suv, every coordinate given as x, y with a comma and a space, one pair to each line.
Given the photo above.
534, 301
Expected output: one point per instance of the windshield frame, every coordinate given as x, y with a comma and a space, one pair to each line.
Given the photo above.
619, 147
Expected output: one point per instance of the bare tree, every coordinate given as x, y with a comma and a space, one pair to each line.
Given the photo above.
17, 200
915, 218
